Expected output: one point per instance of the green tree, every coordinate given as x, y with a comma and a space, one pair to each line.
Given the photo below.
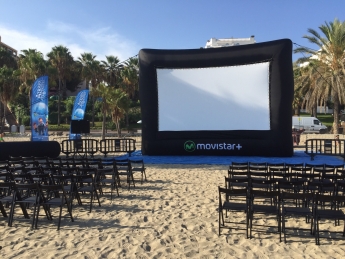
112, 70
328, 62
31, 66
61, 59
10, 61
8, 88
119, 105
105, 95
92, 72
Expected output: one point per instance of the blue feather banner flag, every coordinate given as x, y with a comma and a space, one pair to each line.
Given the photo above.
39, 109
80, 105
79, 110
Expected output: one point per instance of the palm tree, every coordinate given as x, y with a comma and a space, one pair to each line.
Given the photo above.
129, 75
31, 66
105, 94
6, 58
61, 59
8, 88
305, 88
329, 63
119, 105
112, 68
129, 80
92, 71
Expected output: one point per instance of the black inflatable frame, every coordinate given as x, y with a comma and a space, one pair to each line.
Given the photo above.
274, 142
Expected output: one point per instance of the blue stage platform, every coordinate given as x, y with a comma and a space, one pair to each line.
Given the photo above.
298, 157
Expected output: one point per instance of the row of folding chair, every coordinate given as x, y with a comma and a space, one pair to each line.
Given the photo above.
109, 172
281, 204
44, 163
280, 166
332, 186
304, 174
33, 197
74, 186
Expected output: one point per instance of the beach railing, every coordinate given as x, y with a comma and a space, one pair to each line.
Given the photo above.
332, 147
124, 145
81, 147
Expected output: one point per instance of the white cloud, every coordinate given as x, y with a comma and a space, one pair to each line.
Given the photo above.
100, 41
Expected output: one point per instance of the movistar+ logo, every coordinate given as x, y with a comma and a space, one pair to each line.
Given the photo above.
190, 146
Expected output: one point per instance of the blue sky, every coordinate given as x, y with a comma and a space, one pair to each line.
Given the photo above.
122, 28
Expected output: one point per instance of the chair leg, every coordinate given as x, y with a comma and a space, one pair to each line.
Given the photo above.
279, 228
283, 227
251, 224
145, 176
58, 228
37, 214
91, 201
10, 219
317, 233
117, 188
2, 209
69, 208
219, 217
99, 203
34, 216
247, 224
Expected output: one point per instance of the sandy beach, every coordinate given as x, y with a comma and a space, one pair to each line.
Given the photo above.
172, 215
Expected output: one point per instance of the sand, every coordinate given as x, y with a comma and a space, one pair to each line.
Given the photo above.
172, 215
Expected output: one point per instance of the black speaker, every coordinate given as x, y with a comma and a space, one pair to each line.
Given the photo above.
80, 127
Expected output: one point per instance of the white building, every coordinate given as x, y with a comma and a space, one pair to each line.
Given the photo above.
11, 50
218, 43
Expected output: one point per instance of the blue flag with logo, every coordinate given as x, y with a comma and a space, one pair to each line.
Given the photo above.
80, 105
39, 109
79, 109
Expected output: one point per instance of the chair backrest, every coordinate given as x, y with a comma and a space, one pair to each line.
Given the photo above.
236, 167
256, 171
6, 188
269, 184
275, 165
230, 182
279, 172
297, 165
339, 166
257, 166
121, 165
24, 190
89, 171
136, 165
86, 178
232, 193
290, 197
62, 179
6, 177
239, 164
333, 201
49, 192
255, 194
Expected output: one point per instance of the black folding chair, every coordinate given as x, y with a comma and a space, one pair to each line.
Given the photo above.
54, 195
296, 205
240, 205
332, 212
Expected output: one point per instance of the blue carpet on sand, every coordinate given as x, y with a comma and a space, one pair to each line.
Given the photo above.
298, 157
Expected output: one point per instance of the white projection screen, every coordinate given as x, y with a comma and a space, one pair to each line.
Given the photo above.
231, 101
215, 98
